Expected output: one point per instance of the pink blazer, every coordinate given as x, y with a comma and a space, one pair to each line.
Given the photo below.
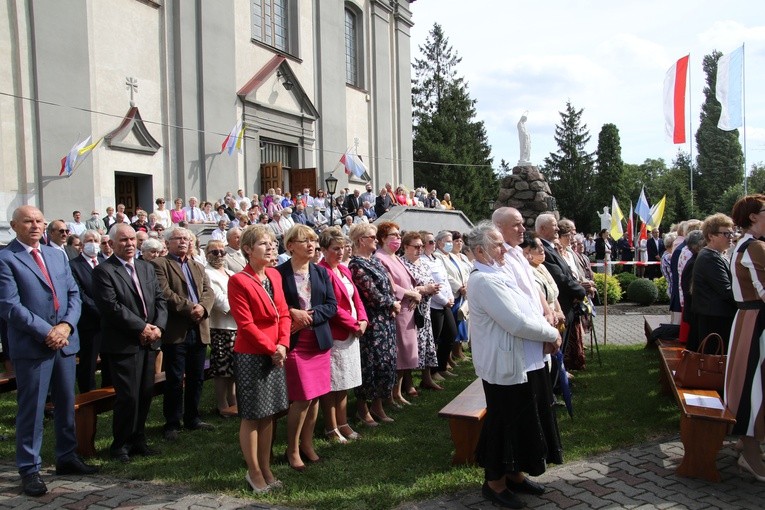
343, 323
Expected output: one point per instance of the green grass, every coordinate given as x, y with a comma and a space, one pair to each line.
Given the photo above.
616, 404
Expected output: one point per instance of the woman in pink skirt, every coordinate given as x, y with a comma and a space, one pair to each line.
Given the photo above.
311, 300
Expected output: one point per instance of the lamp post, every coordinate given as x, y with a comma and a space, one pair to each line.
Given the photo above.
331, 183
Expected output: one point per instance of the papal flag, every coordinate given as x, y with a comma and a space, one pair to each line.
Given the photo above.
616, 220
730, 89
233, 141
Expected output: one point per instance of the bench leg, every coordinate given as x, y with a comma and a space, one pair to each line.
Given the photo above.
702, 440
465, 436
85, 424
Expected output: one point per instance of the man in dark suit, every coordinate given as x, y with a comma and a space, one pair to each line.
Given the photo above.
133, 316
570, 289
190, 298
656, 249
89, 325
353, 202
41, 304
383, 202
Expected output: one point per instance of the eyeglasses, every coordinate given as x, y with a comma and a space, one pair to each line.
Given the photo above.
729, 234
431, 242
104, 242
368, 237
179, 239
394, 234
63, 231
415, 246
217, 253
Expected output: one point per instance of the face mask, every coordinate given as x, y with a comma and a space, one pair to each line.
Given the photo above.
394, 245
94, 217
91, 249
448, 247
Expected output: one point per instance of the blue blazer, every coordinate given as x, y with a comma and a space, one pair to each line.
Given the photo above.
323, 301
26, 300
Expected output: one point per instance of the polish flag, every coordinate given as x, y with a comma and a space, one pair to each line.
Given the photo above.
674, 100
630, 227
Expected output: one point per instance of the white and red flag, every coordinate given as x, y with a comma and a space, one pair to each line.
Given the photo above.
674, 100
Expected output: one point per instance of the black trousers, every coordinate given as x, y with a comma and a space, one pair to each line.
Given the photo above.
90, 345
133, 380
444, 332
182, 397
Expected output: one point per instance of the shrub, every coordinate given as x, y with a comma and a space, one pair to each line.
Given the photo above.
661, 286
625, 279
642, 292
614, 289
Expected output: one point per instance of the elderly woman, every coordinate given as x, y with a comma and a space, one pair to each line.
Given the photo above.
404, 288
442, 318
347, 326
378, 343
465, 268
151, 249
311, 299
177, 215
694, 241
414, 243
263, 321
713, 301
744, 377
510, 339
222, 329
666, 260
458, 268
360, 216
603, 252
534, 252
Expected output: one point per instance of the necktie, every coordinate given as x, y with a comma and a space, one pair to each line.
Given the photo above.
137, 284
192, 213
94, 262
38, 260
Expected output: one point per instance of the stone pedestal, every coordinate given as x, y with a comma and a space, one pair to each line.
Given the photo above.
526, 189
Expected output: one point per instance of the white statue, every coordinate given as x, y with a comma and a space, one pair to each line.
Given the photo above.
525, 141
605, 219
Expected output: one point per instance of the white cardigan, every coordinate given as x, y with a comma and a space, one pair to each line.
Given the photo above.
220, 315
501, 318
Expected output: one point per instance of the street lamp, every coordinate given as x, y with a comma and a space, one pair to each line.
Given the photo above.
331, 183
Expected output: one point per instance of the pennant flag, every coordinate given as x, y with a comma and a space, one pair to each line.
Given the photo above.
730, 89
631, 227
616, 220
674, 100
641, 208
234, 140
353, 164
76, 156
657, 213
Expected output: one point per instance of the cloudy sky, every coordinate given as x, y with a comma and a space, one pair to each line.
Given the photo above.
609, 58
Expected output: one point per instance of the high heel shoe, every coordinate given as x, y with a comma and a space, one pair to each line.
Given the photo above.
334, 436
352, 435
366, 423
384, 419
252, 486
744, 465
299, 469
306, 459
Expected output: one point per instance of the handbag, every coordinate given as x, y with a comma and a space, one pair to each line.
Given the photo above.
699, 370
463, 312
419, 318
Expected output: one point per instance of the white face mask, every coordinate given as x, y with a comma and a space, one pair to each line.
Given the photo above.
448, 247
94, 217
91, 249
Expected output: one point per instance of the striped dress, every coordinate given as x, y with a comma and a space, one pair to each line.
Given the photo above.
744, 379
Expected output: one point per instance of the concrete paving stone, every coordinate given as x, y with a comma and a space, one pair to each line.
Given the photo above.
627, 465
621, 500
590, 500
567, 488
21, 503
625, 488
657, 468
626, 477
558, 499
595, 488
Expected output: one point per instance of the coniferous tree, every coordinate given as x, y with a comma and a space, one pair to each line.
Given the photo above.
720, 160
570, 171
609, 168
451, 149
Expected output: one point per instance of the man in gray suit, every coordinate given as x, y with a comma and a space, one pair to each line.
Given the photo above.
40, 302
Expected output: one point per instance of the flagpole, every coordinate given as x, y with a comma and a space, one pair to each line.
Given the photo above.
690, 128
743, 108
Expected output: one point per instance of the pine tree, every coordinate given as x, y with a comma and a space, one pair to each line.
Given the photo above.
720, 160
451, 149
570, 171
609, 166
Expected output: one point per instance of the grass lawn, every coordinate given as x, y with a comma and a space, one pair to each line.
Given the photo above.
616, 404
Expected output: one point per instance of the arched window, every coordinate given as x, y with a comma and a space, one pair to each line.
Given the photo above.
353, 74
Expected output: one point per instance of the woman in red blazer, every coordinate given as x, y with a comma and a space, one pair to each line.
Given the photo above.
347, 326
263, 323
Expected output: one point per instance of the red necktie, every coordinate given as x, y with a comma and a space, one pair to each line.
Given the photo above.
134, 276
38, 260
94, 262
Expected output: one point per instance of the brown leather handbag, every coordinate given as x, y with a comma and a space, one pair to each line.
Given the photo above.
698, 370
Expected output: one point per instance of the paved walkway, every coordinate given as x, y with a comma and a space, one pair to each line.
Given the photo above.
640, 477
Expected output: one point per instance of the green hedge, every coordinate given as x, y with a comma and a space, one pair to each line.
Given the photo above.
661, 287
642, 292
625, 279
614, 288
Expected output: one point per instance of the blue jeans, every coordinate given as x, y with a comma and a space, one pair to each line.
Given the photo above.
187, 358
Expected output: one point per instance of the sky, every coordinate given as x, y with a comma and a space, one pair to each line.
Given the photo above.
609, 58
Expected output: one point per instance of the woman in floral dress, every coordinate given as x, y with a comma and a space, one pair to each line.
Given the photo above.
378, 343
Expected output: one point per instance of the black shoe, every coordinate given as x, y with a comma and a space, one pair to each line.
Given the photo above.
75, 466
170, 435
122, 457
505, 498
526, 486
143, 449
201, 425
33, 485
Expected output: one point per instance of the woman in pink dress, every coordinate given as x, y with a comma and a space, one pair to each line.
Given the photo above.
311, 300
389, 237
177, 215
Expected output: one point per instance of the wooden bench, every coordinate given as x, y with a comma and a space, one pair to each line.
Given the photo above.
465, 414
7, 382
702, 430
652, 322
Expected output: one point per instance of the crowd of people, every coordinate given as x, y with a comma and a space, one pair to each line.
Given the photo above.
296, 318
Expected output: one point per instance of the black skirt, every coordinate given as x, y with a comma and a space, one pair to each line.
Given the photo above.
261, 388
520, 432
